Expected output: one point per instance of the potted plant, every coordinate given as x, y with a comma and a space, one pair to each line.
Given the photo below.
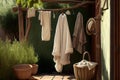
34, 68
6, 61
15, 53
22, 71
32, 59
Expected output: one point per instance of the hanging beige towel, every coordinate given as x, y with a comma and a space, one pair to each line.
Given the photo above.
30, 12
45, 22
62, 47
79, 37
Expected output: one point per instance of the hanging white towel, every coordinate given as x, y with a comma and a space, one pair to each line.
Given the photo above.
62, 47
30, 12
45, 22
79, 37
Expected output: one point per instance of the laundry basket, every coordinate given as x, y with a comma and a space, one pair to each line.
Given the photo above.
83, 73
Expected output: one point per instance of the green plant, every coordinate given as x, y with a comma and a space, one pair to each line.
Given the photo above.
30, 3
31, 58
6, 5
8, 19
12, 54
38, 4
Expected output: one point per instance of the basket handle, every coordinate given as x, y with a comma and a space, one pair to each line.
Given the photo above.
86, 52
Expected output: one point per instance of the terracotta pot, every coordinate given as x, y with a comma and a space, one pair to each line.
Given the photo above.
23, 71
34, 68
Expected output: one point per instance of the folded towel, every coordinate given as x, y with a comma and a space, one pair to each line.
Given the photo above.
85, 63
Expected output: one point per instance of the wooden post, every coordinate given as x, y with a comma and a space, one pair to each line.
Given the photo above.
115, 40
28, 26
96, 41
21, 24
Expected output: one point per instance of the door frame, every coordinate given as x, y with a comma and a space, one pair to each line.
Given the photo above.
115, 40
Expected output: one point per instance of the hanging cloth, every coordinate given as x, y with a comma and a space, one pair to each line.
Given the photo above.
62, 47
30, 12
45, 22
79, 37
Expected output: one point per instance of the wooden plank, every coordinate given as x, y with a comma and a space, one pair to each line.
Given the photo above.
28, 26
96, 42
115, 40
52, 77
47, 77
64, 1
21, 24
35, 78
58, 77
68, 77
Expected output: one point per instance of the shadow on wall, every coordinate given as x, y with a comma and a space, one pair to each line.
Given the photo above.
104, 69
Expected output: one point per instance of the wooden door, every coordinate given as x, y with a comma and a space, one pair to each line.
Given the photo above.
115, 39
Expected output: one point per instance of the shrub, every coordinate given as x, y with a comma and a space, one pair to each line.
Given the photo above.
14, 53
8, 18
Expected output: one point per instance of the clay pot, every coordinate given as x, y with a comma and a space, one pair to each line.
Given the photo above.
22, 71
34, 68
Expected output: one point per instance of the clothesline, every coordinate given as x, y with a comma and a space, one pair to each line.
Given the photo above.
64, 1
79, 4
20, 9
73, 7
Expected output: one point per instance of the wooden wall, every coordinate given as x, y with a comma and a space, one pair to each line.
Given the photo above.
115, 39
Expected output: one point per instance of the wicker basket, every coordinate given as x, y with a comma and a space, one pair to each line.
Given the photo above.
83, 73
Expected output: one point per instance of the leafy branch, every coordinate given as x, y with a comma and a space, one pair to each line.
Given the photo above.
30, 3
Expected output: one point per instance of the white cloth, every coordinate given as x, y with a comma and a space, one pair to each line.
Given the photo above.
62, 47
45, 22
85, 63
79, 37
30, 12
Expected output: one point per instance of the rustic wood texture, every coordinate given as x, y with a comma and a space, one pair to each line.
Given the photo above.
53, 77
28, 26
115, 40
21, 24
77, 5
96, 41
64, 1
